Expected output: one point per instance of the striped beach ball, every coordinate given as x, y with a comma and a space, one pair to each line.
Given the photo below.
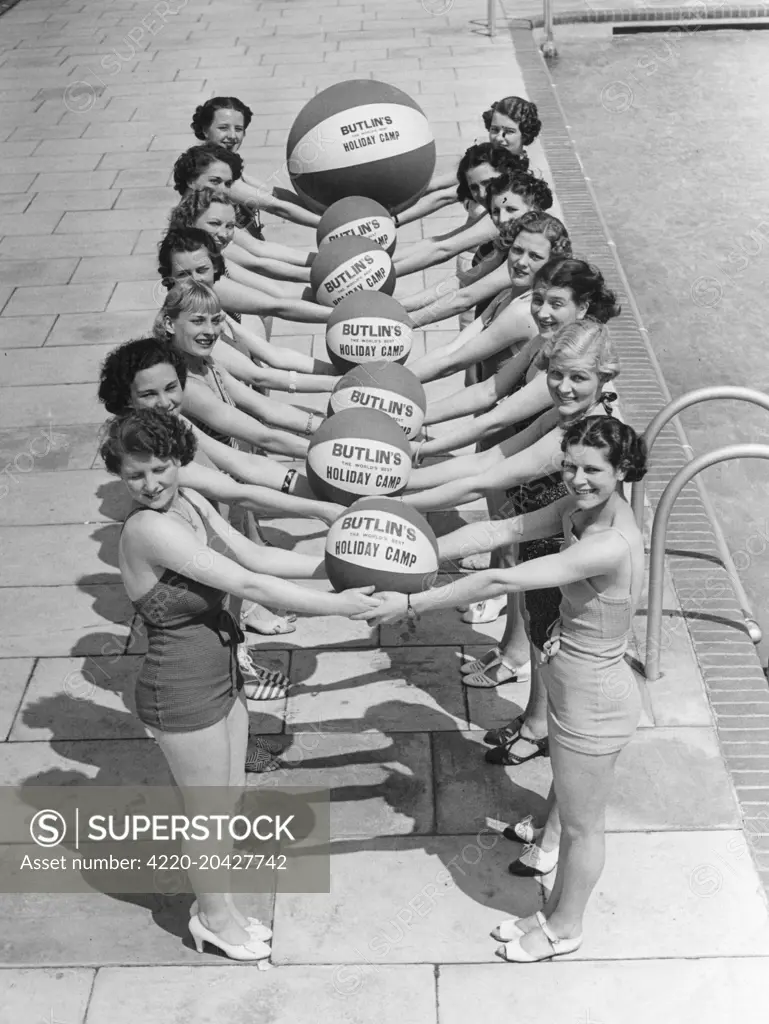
361, 138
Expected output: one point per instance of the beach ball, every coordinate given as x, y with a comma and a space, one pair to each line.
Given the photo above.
358, 454
357, 215
368, 327
384, 543
361, 138
349, 265
384, 387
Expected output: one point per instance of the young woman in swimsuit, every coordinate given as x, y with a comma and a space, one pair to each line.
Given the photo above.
593, 701
190, 253
179, 560
225, 120
525, 471
191, 321
241, 291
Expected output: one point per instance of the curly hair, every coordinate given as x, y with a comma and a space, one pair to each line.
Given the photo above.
147, 432
204, 115
584, 281
523, 112
182, 297
119, 370
625, 449
194, 161
496, 157
529, 187
537, 223
194, 204
187, 240
584, 340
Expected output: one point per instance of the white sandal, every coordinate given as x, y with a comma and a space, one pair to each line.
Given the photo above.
478, 673
515, 953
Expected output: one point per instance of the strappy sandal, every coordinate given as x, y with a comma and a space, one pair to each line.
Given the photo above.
504, 755
485, 611
276, 626
515, 953
505, 734
493, 659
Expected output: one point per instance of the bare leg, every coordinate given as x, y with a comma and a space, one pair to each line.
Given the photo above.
582, 785
209, 757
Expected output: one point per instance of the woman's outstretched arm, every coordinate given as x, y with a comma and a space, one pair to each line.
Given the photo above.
591, 556
529, 401
242, 254
281, 415
202, 405
435, 250
512, 327
249, 192
539, 459
491, 534
283, 358
159, 540
240, 298
429, 203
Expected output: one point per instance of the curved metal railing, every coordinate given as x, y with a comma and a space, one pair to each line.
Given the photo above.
652, 432
659, 532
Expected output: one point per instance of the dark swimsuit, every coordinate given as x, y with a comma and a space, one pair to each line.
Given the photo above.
190, 677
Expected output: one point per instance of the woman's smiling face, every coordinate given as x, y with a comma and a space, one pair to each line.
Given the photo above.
589, 476
574, 385
218, 174
195, 331
552, 308
157, 387
150, 481
196, 265
219, 222
227, 129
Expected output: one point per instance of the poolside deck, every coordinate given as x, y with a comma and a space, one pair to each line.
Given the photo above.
678, 926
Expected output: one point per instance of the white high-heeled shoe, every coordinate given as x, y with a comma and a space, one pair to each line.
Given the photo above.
252, 950
515, 953
253, 925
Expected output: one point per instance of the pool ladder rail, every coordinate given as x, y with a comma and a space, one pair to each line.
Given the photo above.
665, 507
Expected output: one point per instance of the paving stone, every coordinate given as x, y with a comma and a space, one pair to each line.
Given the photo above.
59, 299
112, 244
634, 992
435, 901
59, 621
62, 403
58, 555
445, 628
75, 365
26, 450
98, 328
147, 295
115, 268
291, 995
14, 676
103, 930
45, 995
390, 690
80, 699
380, 785
41, 272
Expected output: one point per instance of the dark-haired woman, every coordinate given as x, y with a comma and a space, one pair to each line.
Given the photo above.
241, 291
179, 560
593, 701
508, 198
213, 166
190, 254
225, 120
479, 165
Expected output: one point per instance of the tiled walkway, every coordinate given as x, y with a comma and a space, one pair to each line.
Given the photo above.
95, 105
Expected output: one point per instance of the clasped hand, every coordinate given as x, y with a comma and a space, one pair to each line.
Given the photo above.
391, 607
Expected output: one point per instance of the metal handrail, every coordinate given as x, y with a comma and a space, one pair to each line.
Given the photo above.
491, 15
659, 532
652, 432
548, 47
